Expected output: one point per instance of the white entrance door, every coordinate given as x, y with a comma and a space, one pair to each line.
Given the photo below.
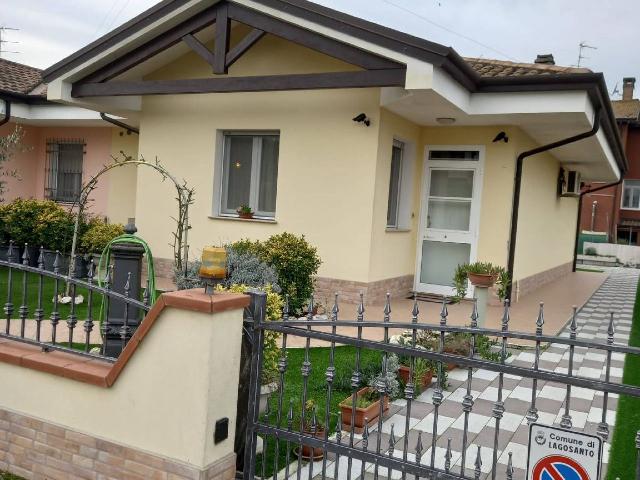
452, 181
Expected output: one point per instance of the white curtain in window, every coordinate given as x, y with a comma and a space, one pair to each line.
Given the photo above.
268, 181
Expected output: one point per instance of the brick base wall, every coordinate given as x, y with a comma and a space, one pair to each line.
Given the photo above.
38, 450
349, 291
527, 285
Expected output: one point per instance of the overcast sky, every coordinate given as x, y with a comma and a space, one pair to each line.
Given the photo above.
505, 29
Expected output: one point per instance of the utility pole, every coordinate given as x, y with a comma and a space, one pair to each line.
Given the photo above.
581, 57
3, 31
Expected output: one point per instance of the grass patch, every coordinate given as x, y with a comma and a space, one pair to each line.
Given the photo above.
48, 289
623, 457
9, 476
584, 269
370, 361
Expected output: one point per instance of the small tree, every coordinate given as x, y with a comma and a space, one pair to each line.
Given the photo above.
9, 146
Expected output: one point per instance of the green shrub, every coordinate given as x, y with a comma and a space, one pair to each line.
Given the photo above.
293, 258
590, 251
98, 234
271, 351
54, 229
38, 223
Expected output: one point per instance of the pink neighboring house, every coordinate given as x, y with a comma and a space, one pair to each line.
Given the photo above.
65, 144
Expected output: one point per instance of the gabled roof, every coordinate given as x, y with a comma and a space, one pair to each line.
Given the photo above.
19, 79
501, 68
476, 75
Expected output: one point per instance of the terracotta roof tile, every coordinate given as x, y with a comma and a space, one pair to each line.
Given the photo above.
627, 109
19, 78
502, 68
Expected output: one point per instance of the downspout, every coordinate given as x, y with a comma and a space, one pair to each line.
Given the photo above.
518, 184
118, 123
575, 246
7, 112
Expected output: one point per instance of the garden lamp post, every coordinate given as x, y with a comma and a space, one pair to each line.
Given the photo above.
213, 268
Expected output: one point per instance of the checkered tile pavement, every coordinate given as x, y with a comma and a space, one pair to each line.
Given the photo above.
617, 294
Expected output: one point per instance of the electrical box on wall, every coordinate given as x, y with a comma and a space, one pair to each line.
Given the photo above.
569, 183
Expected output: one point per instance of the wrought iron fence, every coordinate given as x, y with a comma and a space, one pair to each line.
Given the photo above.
34, 312
351, 456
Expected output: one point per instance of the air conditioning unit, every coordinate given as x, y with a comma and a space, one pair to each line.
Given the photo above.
570, 183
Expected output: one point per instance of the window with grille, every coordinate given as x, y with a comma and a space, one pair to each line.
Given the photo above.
64, 169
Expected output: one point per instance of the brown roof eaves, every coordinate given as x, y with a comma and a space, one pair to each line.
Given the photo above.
438, 55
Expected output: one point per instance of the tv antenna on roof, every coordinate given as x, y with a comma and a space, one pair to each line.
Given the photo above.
581, 57
3, 31
615, 92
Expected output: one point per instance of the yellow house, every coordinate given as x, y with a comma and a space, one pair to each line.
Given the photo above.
395, 156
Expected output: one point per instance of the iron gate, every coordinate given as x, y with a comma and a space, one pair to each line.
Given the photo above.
351, 456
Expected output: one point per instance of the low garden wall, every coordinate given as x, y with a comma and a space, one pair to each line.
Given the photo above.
149, 415
626, 254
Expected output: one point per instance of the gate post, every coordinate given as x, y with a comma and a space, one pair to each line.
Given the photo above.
249, 383
127, 259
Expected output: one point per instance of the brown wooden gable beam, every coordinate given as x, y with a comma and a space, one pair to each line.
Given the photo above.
221, 45
153, 47
220, 62
197, 46
342, 51
261, 83
243, 45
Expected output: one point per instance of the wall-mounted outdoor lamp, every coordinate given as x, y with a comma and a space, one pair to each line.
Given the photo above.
213, 268
362, 118
501, 137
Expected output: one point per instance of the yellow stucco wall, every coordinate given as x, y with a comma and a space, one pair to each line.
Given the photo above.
393, 251
325, 179
333, 175
166, 400
121, 201
547, 223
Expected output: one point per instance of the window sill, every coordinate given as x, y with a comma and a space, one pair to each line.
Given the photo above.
397, 230
238, 219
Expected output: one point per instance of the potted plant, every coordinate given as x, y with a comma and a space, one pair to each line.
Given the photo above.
244, 211
423, 372
480, 274
367, 406
313, 427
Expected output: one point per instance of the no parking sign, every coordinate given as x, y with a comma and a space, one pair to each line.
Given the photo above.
559, 454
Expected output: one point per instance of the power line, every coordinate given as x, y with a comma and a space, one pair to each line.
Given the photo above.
114, 19
449, 30
104, 19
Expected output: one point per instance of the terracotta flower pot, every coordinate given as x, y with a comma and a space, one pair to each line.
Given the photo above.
246, 216
371, 412
309, 452
425, 381
483, 280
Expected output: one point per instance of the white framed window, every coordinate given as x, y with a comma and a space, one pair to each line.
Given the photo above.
631, 195
395, 184
249, 172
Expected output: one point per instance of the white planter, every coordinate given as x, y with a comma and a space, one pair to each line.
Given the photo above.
265, 393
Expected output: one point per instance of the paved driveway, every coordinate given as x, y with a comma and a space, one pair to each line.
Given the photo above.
616, 294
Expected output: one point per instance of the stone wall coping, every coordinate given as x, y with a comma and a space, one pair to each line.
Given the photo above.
100, 372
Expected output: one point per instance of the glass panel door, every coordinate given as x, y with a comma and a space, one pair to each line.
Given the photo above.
448, 225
